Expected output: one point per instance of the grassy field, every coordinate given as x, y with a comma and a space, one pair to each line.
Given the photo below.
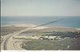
66, 44
8, 30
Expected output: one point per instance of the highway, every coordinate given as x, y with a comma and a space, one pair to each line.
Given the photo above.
5, 43
8, 44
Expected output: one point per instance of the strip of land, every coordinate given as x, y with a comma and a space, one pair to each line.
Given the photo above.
11, 34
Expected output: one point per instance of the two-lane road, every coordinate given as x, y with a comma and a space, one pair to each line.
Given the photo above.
8, 44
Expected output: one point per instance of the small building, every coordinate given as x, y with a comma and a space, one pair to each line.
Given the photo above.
48, 38
41, 38
52, 37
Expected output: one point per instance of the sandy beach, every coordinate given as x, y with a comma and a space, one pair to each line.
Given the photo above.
40, 27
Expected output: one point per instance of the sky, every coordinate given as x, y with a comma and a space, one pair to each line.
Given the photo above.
40, 7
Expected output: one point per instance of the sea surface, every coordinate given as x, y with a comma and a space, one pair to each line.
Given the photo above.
65, 21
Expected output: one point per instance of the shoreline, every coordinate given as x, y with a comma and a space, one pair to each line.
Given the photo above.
40, 27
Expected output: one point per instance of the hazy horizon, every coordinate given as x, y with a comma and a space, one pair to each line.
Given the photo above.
40, 8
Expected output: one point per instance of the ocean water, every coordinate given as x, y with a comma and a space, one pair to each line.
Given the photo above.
66, 21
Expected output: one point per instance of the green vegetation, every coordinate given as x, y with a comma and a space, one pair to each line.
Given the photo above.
64, 34
51, 44
8, 30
